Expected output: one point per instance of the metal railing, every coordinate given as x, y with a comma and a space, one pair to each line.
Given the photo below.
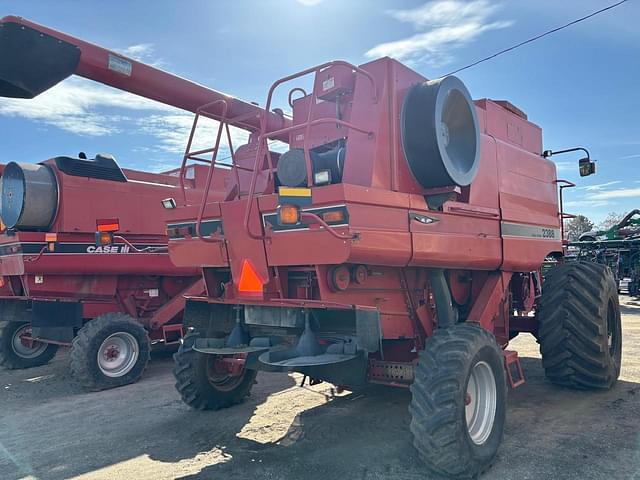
263, 147
563, 216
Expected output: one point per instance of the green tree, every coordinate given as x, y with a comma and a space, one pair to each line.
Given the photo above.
576, 226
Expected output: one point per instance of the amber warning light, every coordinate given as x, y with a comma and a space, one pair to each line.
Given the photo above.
108, 225
288, 214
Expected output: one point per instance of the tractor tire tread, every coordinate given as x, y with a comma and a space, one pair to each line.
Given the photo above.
572, 330
9, 360
438, 430
83, 363
201, 396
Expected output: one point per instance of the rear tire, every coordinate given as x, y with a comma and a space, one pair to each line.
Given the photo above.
109, 351
200, 387
458, 403
15, 354
580, 329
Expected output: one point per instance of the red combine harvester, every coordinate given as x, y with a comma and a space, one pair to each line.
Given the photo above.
83, 250
398, 241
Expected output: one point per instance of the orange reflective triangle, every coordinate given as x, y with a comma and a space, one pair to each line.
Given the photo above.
250, 281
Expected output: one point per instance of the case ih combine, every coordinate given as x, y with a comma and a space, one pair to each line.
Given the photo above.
83, 252
398, 241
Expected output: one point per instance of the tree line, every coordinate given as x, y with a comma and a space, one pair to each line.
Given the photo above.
580, 224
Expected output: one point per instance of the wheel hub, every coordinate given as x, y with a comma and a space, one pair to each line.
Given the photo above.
23, 344
223, 375
612, 330
480, 402
118, 354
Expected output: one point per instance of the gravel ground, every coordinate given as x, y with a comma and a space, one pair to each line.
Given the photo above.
51, 429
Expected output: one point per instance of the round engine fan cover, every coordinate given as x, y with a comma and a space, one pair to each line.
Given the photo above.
440, 133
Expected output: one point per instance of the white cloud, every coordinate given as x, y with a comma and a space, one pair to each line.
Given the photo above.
626, 157
140, 51
90, 109
597, 196
586, 203
172, 133
309, 3
617, 193
600, 186
451, 24
86, 108
74, 105
143, 52
445, 13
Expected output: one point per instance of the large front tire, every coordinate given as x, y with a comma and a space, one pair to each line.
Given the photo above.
458, 403
17, 353
201, 386
580, 328
110, 351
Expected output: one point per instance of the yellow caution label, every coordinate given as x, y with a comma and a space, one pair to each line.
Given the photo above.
294, 192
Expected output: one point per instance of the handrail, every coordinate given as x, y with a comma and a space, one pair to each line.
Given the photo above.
265, 135
319, 121
188, 155
212, 167
318, 219
563, 184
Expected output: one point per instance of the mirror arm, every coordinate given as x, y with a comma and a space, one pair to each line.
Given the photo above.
550, 153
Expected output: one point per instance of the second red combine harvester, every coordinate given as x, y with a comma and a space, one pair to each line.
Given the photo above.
83, 248
398, 241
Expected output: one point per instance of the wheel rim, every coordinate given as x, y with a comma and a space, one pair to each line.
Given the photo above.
219, 377
480, 402
118, 354
24, 348
612, 329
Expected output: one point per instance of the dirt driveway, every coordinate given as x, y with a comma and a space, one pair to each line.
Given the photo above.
50, 429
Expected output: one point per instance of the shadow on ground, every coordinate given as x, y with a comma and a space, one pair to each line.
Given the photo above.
50, 429
57, 431
551, 432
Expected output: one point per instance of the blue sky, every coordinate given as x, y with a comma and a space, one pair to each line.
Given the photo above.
580, 85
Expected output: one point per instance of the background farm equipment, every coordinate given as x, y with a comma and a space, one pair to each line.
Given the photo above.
83, 248
617, 247
84, 263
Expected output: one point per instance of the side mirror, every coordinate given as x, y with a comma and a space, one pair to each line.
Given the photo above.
587, 167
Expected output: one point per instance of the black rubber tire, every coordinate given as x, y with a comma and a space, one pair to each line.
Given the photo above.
192, 382
84, 351
578, 309
438, 421
10, 359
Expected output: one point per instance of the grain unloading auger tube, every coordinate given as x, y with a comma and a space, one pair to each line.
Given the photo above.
34, 58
